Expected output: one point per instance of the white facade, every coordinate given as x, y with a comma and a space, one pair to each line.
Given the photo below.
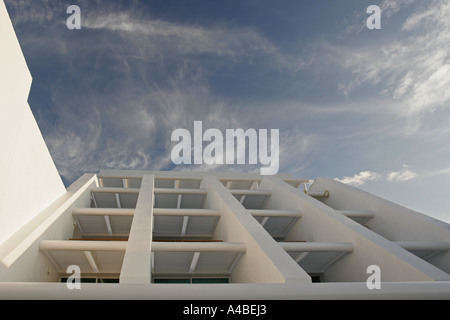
25, 162
264, 236
196, 235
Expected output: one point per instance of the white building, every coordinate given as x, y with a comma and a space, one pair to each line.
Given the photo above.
189, 235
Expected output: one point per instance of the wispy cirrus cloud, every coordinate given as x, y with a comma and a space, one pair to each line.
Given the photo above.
388, 8
184, 39
410, 67
129, 80
109, 95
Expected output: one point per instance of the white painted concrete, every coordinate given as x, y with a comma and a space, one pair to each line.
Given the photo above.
30, 180
230, 292
36, 212
320, 223
136, 266
21, 259
263, 261
391, 221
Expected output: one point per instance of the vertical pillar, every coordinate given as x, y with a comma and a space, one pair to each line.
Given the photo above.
136, 267
264, 260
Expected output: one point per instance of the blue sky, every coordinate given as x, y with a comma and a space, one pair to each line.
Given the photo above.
368, 107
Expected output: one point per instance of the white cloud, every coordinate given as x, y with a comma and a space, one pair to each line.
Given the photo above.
439, 172
410, 67
389, 7
404, 174
436, 15
296, 147
154, 37
360, 179
130, 81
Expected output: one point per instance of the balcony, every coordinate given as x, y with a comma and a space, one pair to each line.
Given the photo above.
316, 257
168, 258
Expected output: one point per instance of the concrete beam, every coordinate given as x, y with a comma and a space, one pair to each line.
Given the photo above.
136, 267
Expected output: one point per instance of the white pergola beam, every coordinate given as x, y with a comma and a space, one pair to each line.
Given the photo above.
179, 191
179, 201
258, 192
264, 221
184, 226
194, 262
118, 201
198, 247
317, 246
108, 224
235, 261
114, 190
102, 212
301, 256
91, 261
93, 199
82, 245
185, 212
275, 213
156, 212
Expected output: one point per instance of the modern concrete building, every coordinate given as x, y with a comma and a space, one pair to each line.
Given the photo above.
196, 235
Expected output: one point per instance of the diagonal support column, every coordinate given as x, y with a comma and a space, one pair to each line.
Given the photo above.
264, 261
136, 267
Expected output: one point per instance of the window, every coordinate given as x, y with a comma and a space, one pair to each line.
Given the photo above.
171, 281
94, 280
210, 280
191, 280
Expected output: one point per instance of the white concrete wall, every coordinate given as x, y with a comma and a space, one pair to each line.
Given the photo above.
136, 266
264, 260
392, 221
233, 293
20, 257
29, 179
321, 223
